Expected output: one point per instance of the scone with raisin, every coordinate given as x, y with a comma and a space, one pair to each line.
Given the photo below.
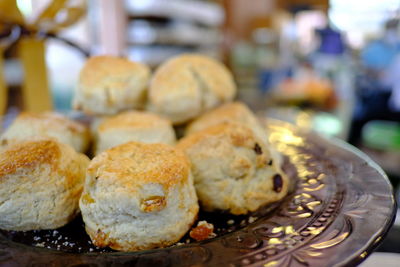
47, 124
233, 169
138, 196
136, 126
108, 85
41, 183
187, 85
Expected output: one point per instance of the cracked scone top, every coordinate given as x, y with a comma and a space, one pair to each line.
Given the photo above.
188, 85
41, 182
138, 196
110, 84
233, 169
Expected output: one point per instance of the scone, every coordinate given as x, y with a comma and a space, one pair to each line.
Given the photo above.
138, 196
133, 126
233, 169
47, 124
41, 183
188, 85
234, 111
109, 84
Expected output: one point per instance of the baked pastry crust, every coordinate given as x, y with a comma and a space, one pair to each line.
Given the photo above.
188, 85
138, 196
47, 124
233, 169
41, 183
109, 84
229, 112
136, 126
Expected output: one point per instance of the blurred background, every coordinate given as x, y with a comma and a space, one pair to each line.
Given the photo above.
328, 65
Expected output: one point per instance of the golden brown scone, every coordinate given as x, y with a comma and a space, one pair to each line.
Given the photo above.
136, 126
47, 124
138, 196
233, 169
188, 85
109, 84
234, 111
41, 182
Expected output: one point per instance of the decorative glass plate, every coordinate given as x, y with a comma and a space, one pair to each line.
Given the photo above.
340, 208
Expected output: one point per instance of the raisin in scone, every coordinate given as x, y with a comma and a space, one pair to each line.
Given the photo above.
233, 169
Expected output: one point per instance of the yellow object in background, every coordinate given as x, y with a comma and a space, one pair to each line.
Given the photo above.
31, 47
35, 90
9, 12
3, 87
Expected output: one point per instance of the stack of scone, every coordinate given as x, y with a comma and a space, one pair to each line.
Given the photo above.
143, 186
